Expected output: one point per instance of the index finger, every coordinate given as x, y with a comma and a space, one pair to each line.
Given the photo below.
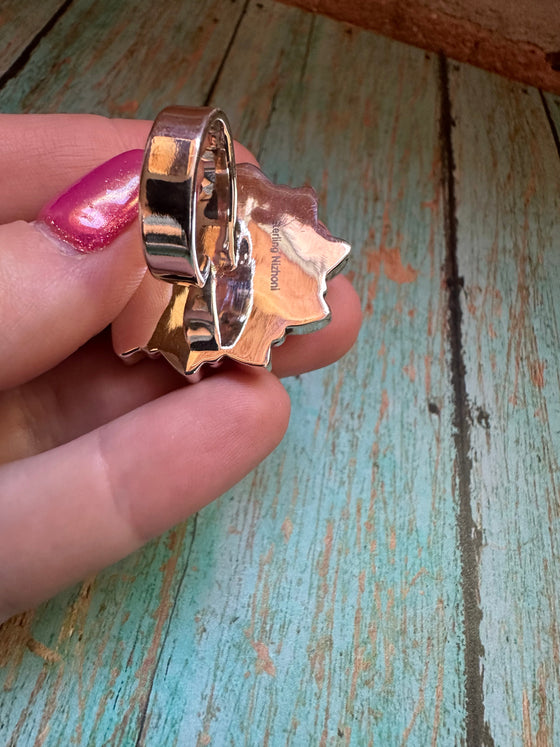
42, 154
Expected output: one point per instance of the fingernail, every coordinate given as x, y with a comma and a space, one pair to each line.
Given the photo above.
91, 213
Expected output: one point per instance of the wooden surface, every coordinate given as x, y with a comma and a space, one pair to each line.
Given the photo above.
519, 39
22, 28
389, 576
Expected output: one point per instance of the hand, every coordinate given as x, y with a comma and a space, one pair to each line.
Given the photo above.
98, 457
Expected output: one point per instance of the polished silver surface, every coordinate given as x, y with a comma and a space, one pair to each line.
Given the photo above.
234, 288
188, 194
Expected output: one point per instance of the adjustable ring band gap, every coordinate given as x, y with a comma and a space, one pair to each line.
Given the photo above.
188, 195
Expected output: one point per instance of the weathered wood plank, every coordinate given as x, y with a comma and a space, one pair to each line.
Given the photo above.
87, 651
378, 649
517, 39
508, 187
552, 108
320, 601
128, 60
337, 627
20, 23
322, 604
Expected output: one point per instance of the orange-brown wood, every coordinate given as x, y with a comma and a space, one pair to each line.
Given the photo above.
520, 40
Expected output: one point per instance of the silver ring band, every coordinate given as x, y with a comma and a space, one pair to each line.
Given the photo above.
188, 195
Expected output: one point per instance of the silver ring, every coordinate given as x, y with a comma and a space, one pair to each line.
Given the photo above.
188, 195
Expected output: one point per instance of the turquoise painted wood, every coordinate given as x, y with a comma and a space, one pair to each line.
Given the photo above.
552, 105
327, 599
122, 60
508, 197
20, 24
343, 566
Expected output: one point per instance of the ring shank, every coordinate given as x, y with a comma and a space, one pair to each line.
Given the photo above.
188, 195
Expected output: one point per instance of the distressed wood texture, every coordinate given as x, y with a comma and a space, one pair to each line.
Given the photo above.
22, 25
508, 209
552, 108
387, 576
518, 39
123, 61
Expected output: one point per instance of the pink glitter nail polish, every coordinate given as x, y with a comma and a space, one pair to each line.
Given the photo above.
91, 213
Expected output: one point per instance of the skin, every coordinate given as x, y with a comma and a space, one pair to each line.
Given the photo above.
96, 457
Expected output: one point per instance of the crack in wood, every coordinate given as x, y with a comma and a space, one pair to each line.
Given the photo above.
307, 52
548, 113
161, 647
477, 730
22, 59
217, 76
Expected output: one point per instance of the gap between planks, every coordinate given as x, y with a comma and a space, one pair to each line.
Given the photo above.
24, 56
216, 80
469, 535
469, 538
555, 135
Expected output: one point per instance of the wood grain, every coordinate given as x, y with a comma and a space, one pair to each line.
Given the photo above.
551, 106
130, 62
508, 187
84, 653
22, 26
329, 611
520, 40
326, 599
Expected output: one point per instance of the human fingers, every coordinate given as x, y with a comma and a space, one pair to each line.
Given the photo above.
59, 287
71, 511
56, 295
301, 353
53, 297
87, 390
42, 154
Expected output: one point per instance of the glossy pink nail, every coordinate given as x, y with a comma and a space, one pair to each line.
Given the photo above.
91, 213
